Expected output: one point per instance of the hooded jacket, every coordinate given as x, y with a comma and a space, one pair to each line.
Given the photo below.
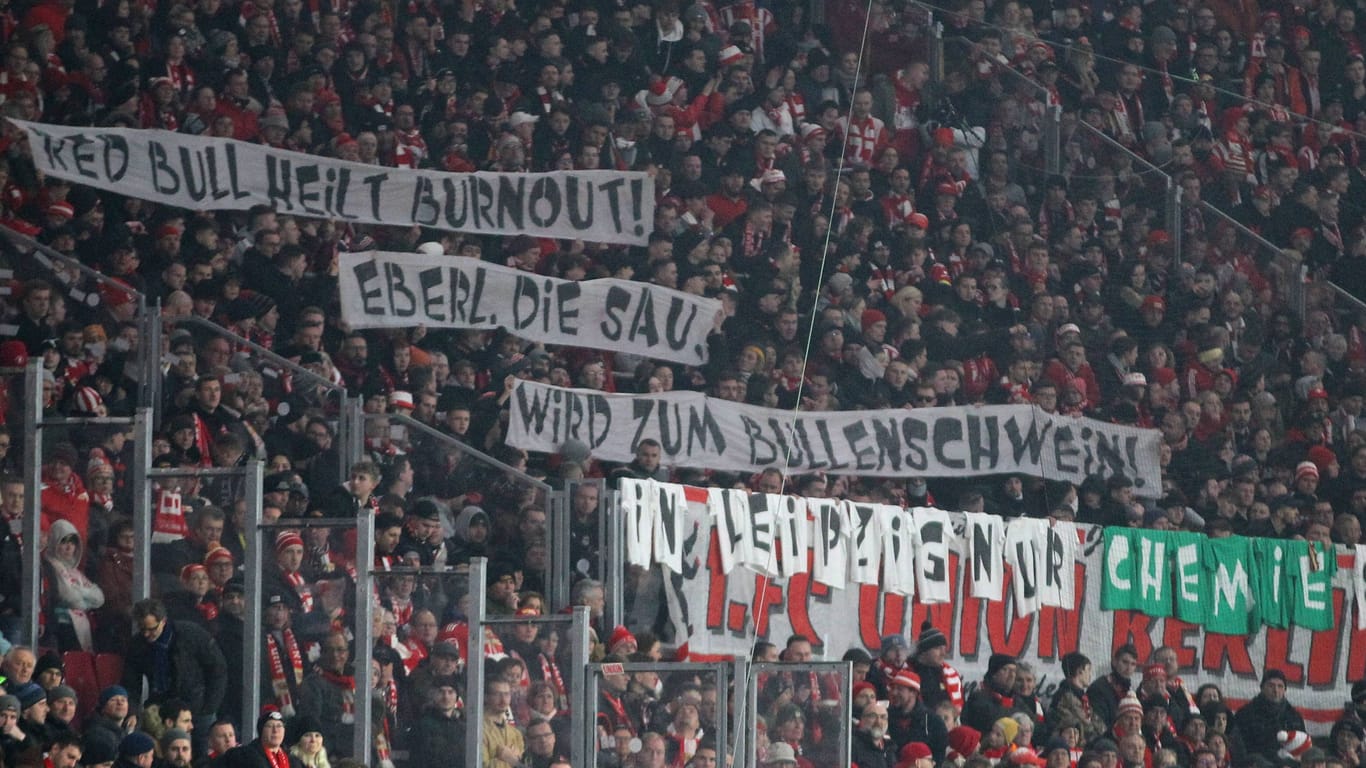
76, 593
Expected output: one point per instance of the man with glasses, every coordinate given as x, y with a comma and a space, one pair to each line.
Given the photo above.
175, 658
540, 741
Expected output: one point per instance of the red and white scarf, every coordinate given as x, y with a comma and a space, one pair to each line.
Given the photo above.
550, 673
347, 684
300, 586
278, 682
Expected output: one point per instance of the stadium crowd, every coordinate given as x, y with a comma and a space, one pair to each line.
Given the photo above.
881, 235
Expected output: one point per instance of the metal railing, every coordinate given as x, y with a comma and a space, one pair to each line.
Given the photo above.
1164, 195
38, 426
719, 674
1288, 273
773, 691
475, 676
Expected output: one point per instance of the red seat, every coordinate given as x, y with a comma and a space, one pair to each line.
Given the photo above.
80, 675
108, 669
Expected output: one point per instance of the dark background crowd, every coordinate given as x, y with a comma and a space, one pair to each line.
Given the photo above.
875, 209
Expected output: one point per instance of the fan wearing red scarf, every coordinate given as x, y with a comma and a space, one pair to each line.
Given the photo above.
267, 750
992, 700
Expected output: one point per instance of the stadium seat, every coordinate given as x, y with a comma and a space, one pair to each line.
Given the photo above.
108, 669
80, 675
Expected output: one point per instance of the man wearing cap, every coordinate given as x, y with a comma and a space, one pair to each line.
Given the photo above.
175, 748
1268, 712
440, 732
891, 660
939, 680
175, 658
15, 741
267, 749
872, 748
909, 720
136, 750
206, 533
992, 700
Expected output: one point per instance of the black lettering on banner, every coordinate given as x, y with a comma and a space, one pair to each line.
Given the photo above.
476, 296
932, 535
545, 190
703, 427
278, 184
613, 190
864, 455
1109, 454
82, 157
52, 149
533, 410
1131, 450
1053, 562
637, 199
641, 410
164, 178
888, 440
567, 315
832, 528
230, 152
365, 272
983, 558
828, 445
1030, 443
802, 454
574, 191
376, 184
676, 337
616, 301
984, 442
483, 203
510, 193
526, 296
668, 514
433, 293
1029, 579
196, 184
408, 307
736, 522
755, 432
914, 433
761, 528
781, 437
947, 430
670, 428
896, 524
115, 147
643, 324
457, 203
306, 176
863, 515
425, 208
1063, 448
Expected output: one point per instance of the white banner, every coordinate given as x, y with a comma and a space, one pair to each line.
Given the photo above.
400, 290
715, 612
205, 174
963, 441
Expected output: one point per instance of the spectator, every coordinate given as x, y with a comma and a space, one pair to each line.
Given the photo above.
175, 657
266, 750
503, 744
328, 695
1258, 721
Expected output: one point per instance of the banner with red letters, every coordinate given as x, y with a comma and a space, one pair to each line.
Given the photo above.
734, 582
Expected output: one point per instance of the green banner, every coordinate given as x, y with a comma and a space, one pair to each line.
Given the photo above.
1230, 585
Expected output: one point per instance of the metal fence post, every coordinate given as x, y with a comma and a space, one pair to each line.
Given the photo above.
1052, 138
30, 599
739, 713
474, 665
589, 705
251, 653
934, 49
1173, 214
561, 571
364, 631
143, 499
578, 649
614, 566
149, 362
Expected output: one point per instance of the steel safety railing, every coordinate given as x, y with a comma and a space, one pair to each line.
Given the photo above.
1162, 195
88, 295
40, 426
705, 687
572, 628
818, 693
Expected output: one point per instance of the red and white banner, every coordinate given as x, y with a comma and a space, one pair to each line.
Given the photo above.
719, 610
